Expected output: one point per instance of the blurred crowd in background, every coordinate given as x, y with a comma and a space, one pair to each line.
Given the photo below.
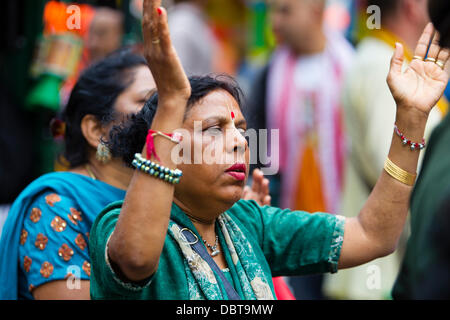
314, 69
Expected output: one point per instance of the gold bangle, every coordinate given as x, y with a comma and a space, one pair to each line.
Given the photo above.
399, 174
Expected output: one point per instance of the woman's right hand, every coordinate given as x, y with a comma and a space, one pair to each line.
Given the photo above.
171, 80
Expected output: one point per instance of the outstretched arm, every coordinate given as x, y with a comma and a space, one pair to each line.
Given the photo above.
375, 231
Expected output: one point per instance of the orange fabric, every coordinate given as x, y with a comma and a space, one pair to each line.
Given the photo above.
56, 16
309, 195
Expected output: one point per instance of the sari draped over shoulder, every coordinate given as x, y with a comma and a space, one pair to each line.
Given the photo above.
52, 209
258, 243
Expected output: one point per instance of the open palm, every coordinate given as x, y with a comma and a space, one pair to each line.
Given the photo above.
423, 83
160, 54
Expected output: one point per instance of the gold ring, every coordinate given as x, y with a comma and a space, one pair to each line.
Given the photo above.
441, 64
155, 41
418, 58
430, 60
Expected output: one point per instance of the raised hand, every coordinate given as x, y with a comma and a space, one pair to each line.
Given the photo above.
259, 190
166, 68
422, 84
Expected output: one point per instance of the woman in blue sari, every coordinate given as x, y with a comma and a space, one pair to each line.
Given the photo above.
43, 249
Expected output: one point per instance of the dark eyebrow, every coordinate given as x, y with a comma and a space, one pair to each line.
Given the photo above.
241, 122
222, 119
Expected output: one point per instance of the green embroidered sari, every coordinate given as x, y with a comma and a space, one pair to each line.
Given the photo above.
258, 243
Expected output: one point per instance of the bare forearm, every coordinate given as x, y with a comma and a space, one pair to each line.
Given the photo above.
146, 210
375, 231
138, 239
384, 214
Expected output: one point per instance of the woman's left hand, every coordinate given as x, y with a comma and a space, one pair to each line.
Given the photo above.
259, 190
422, 84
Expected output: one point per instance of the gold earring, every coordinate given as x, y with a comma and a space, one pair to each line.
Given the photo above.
103, 153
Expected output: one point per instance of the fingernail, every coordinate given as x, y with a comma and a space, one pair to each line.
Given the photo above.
159, 10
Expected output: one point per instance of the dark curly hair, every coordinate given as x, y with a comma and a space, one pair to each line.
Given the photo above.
128, 138
95, 93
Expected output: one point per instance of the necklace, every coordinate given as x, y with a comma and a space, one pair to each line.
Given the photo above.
202, 221
213, 248
91, 174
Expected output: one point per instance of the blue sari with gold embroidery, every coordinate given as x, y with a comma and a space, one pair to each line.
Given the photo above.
46, 233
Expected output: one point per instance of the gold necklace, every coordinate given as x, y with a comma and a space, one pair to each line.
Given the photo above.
91, 174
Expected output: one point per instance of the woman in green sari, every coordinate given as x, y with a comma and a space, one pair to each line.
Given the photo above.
189, 236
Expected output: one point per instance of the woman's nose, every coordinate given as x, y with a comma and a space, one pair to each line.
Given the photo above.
236, 141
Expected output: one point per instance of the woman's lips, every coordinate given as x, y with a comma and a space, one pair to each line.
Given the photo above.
237, 171
237, 175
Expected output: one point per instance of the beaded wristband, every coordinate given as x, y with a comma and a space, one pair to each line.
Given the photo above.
412, 145
156, 170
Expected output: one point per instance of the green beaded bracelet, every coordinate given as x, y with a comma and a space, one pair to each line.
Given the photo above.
156, 170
